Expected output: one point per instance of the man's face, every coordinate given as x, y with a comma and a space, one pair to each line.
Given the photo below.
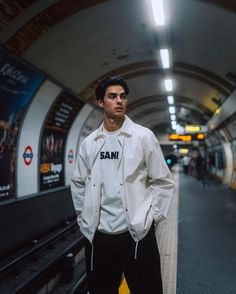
115, 102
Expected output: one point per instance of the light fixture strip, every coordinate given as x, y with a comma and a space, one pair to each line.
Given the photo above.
165, 58
172, 110
170, 99
168, 85
158, 12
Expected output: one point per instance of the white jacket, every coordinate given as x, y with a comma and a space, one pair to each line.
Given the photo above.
146, 184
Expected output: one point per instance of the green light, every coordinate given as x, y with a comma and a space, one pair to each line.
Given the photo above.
168, 161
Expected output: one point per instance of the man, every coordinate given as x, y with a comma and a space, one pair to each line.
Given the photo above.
186, 162
121, 188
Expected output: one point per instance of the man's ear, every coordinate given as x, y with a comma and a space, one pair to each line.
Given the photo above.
101, 103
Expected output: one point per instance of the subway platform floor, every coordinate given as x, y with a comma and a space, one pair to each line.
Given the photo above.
197, 242
206, 237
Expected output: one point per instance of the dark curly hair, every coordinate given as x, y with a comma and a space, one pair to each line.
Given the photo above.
112, 81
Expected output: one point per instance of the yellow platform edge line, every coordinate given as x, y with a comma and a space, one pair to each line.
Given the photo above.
124, 287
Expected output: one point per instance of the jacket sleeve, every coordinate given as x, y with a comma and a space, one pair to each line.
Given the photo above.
78, 182
160, 181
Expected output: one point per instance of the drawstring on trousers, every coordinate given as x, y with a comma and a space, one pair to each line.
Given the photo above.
136, 250
91, 262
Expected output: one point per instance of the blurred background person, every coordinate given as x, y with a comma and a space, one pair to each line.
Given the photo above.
186, 162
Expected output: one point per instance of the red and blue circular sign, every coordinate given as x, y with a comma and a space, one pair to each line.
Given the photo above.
28, 155
70, 156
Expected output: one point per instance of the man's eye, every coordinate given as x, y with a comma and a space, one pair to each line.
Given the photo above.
112, 96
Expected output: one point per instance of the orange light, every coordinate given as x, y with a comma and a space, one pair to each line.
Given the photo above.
200, 136
173, 137
180, 137
185, 138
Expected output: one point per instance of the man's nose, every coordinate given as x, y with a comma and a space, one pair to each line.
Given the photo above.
118, 99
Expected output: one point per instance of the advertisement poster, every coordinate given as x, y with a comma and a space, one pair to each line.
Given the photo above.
18, 83
56, 128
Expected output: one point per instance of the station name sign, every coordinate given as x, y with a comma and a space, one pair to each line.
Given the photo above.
193, 129
186, 138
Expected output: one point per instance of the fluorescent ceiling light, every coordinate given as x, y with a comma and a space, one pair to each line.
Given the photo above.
173, 122
170, 99
158, 12
172, 110
173, 117
165, 58
168, 85
174, 127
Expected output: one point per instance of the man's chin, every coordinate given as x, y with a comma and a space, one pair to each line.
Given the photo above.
119, 115
116, 115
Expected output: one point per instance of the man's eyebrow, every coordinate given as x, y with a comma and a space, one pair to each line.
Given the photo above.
113, 93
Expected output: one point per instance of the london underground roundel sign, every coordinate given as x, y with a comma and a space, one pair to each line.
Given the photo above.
28, 155
70, 156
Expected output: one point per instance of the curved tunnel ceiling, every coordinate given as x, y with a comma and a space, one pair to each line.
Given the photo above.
80, 42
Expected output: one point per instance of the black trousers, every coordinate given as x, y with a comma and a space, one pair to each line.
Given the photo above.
113, 255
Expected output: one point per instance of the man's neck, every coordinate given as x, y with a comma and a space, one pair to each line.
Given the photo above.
111, 124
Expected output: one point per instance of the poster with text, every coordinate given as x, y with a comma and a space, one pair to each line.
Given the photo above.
18, 83
58, 123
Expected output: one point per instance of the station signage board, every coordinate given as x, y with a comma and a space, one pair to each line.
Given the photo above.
193, 129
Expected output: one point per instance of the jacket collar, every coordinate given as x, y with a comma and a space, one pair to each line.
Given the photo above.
126, 128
